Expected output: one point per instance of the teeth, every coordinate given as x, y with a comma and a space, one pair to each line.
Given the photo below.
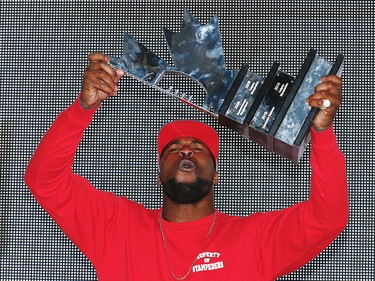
187, 164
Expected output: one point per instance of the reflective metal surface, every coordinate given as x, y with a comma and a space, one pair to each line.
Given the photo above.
197, 53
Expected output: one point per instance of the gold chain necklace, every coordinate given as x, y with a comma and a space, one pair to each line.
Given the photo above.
166, 253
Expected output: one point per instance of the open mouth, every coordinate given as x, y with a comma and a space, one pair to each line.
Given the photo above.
187, 165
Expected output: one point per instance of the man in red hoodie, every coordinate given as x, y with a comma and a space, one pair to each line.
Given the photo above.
187, 239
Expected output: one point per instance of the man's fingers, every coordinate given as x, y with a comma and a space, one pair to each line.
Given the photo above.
120, 73
337, 81
104, 73
100, 60
101, 85
100, 80
328, 98
330, 88
95, 57
318, 100
114, 74
107, 76
323, 94
321, 103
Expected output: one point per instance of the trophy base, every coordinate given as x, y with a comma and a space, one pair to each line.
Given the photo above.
276, 114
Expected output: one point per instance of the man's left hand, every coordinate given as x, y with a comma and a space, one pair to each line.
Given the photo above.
329, 89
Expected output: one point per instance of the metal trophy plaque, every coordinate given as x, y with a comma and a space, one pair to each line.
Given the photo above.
270, 111
274, 112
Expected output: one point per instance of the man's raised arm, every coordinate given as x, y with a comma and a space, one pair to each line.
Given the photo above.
70, 199
293, 236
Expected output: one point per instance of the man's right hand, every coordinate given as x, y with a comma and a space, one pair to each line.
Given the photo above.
99, 81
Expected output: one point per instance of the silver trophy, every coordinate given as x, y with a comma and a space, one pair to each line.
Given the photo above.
270, 111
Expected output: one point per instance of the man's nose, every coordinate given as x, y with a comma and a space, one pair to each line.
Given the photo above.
186, 151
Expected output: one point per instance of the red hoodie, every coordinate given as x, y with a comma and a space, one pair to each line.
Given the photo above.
123, 239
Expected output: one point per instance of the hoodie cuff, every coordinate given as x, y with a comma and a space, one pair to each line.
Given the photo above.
79, 115
323, 140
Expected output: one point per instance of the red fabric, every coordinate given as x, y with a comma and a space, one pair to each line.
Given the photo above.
189, 128
123, 241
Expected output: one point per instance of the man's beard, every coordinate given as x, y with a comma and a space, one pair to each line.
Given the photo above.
187, 193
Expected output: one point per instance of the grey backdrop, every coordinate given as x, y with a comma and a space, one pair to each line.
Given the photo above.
44, 45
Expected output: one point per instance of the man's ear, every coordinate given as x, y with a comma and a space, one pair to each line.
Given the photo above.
158, 180
216, 178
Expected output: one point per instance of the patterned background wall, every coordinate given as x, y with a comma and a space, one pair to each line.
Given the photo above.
43, 51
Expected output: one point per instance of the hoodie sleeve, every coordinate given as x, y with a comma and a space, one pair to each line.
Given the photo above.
291, 237
84, 213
